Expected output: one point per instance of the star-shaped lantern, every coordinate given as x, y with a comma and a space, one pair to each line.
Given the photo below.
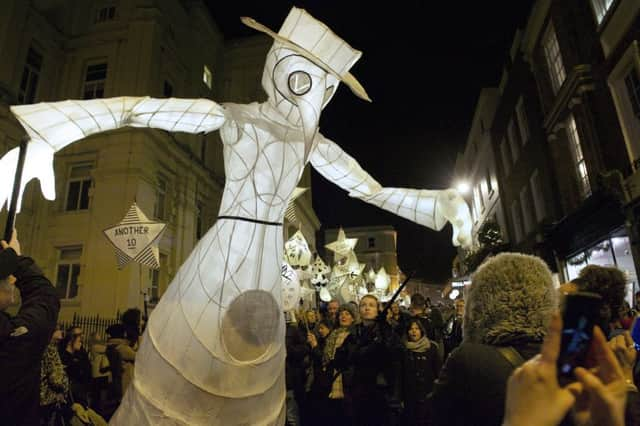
136, 239
343, 245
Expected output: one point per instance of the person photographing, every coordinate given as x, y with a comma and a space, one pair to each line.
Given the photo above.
23, 337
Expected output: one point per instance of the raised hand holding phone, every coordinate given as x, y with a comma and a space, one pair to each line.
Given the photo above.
579, 314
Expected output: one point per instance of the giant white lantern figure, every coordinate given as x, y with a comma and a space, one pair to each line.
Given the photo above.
213, 350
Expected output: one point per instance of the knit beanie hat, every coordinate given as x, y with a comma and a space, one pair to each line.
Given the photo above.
510, 300
349, 308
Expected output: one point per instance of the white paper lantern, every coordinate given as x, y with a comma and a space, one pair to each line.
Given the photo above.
291, 288
213, 350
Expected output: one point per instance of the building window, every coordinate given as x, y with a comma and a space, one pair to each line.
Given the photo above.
477, 201
30, 77
159, 209
167, 89
578, 158
199, 220
67, 272
517, 223
632, 84
525, 204
504, 153
513, 141
600, 8
207, 78
107, 13
78, 187
94, 81
523, 124
538, 198
372, 242
554, 59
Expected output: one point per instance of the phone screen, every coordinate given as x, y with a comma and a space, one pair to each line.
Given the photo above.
635, 334
578, 318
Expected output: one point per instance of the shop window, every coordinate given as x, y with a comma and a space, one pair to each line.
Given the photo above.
68, 271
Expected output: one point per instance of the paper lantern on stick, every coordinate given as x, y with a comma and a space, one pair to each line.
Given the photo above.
343, 245
319, 273
291, 289
382, 280
136, 239
296, 250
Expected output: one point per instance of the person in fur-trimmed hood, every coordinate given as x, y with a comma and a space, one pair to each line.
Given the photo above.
509, 306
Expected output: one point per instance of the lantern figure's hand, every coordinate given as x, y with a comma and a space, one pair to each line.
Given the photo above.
38, 164
452, 207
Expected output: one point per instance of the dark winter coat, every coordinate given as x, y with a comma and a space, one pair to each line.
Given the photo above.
297, 350
78, 369
370, 359
23, 340
471, 387
419, 372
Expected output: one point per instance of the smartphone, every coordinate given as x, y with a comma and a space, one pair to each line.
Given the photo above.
579, 315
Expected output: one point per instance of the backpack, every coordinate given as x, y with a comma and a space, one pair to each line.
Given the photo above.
115, 365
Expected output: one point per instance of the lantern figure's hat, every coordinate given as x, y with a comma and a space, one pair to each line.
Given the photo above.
312, 39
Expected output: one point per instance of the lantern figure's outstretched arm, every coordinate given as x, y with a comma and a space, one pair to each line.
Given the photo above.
431, 208
52, 126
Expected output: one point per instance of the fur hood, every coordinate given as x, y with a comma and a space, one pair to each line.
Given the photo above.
510, 301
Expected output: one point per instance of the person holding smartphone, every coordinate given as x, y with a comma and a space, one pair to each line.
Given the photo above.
598, 397
24, 337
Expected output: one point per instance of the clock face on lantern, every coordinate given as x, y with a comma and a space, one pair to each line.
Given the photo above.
299, 83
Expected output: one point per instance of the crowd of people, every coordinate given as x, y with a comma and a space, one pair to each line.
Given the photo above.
490, 359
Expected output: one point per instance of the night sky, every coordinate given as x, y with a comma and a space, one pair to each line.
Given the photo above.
423, 65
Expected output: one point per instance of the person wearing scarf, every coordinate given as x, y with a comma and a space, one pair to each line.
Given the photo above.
336, 409
420, 367
370, 361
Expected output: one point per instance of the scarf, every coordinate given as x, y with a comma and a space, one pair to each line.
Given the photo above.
334, 341
422, 345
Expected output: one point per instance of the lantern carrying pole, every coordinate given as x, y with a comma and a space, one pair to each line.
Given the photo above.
13, 205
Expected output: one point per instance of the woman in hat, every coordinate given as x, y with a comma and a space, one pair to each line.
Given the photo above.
215, 345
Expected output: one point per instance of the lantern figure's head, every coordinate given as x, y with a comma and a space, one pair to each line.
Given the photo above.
304, 67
